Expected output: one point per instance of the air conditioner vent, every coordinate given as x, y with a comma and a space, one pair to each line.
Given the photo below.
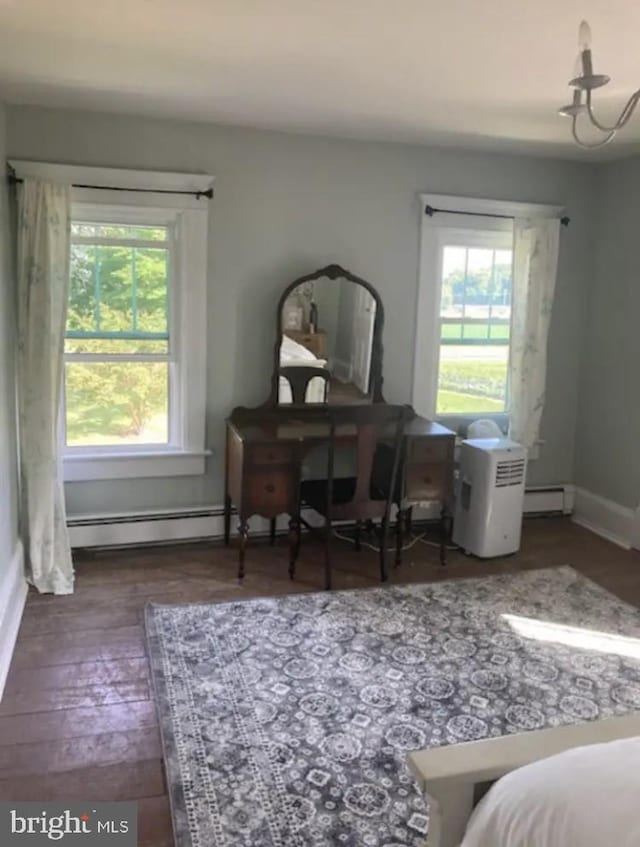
510, 472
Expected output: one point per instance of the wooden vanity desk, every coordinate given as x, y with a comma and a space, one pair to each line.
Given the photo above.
266, 446
265, 452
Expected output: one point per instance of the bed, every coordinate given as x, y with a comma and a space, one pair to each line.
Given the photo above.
531, 799
293, 354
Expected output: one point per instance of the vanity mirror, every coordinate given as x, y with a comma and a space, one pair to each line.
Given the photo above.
329, 341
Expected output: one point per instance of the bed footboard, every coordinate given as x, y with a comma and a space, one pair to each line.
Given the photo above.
451, 776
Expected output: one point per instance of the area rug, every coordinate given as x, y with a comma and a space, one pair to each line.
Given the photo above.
286, 722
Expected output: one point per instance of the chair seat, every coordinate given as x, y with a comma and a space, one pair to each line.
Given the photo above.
314, 494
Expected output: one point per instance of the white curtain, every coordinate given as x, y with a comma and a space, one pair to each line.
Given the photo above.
44, 213
535, 264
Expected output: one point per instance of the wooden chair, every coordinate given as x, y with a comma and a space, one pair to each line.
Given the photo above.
382, 465
357, 498
299, 379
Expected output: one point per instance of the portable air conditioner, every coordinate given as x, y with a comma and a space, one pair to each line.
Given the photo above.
490, 496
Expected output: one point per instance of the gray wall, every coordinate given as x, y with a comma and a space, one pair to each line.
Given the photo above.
607, 454
8, 449
286, 204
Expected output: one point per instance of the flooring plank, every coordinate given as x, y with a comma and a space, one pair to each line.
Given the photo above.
100, 598
80, 646
77, 675
38, 622
75, 697
76, 723
106, 782
111, 748
154, 823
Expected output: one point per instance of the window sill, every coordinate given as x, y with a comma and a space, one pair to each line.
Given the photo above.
459, 423
81, 468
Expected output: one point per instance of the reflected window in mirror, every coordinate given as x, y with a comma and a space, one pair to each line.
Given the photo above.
329, 324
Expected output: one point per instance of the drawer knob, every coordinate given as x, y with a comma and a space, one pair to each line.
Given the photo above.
427, 479
270, 487
271, 456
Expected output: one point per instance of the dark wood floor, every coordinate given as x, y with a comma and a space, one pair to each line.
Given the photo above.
77, 720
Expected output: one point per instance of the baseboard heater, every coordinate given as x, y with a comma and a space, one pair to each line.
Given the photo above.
189, 524
553, 499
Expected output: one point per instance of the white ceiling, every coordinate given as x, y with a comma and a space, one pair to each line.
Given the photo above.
475, 73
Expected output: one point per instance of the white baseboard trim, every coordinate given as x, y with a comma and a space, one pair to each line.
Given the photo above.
635, 530
542, 500
606, 518
545, 499
191, 523
13, 595
145, 528
165, 526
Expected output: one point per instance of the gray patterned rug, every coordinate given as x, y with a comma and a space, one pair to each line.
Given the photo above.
286, 721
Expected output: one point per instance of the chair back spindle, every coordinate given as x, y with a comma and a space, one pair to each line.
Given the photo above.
299, 378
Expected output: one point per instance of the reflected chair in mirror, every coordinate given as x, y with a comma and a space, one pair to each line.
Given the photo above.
300, 377
357, 498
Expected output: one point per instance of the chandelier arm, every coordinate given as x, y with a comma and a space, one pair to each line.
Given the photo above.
630, 107
574, 130
625, 114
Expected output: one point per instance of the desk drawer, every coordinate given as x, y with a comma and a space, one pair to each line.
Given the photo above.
264, 454
428, 482
270, 492
428, 449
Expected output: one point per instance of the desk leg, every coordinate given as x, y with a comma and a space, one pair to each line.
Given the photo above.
227, 519
444, 535
294, 544
408, 516
357, 536
272, 531
384, 540
243, 531
400, 517
327, 554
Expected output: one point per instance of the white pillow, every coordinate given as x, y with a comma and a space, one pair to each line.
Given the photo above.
584, 797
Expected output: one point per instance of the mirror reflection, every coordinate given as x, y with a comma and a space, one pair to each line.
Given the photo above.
327, 343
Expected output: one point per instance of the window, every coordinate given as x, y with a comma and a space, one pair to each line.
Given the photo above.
475, 328
464, 308
135, 346
134, 399
121, 371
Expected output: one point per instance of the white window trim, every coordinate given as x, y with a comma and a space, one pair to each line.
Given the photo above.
187, 454
433, 230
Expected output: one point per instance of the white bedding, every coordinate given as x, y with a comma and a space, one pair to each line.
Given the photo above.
293, 354
584, 797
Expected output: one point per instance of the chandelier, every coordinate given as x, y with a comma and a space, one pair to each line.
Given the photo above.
583, 84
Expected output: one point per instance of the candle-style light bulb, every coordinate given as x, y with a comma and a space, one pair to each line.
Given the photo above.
584, 36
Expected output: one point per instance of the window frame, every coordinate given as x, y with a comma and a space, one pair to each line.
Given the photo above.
490, 239
187, 217
478, 228
103, 214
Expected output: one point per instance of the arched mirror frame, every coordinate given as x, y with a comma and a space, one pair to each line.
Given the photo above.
335, 272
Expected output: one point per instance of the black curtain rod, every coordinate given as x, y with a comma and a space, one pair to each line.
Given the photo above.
13, 180
429, 210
